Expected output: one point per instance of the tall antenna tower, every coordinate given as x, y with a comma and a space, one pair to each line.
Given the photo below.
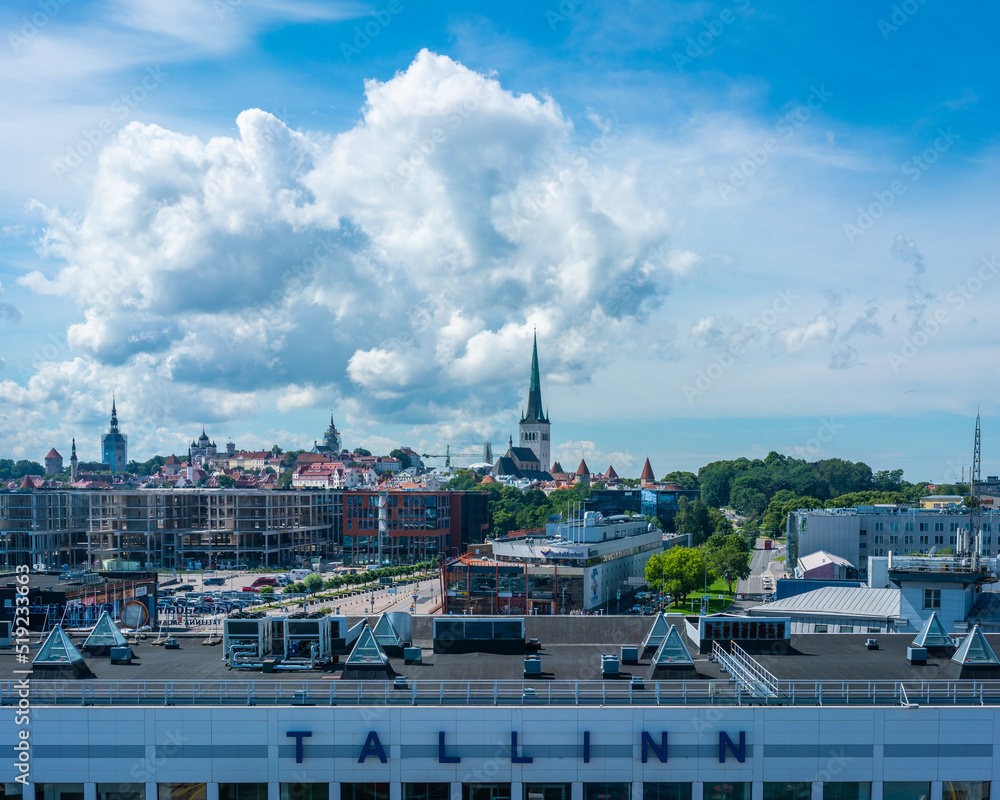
975, 512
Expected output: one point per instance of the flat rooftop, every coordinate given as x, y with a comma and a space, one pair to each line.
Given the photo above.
570, 664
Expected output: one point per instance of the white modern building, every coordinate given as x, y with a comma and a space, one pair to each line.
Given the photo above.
824, 719
607, 554
857, 533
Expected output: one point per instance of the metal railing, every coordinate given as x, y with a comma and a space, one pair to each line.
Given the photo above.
498, 693
749, 675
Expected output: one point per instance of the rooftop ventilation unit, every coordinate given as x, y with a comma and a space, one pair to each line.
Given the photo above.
610, 666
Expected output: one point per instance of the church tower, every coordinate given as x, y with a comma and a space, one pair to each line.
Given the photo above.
73, 463
534, 426
114, 444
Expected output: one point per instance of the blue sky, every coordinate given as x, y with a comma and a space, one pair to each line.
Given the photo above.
736, 227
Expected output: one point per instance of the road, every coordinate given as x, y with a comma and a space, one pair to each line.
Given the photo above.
762, 563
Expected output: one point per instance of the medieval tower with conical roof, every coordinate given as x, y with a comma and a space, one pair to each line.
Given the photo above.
534, 426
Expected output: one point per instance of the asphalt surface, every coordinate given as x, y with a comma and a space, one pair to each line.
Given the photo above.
762, 563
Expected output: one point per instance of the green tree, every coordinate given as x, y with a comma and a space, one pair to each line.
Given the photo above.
266, 590
729, 555
463, 480
404, 459
678, 571
360, 451
313, 583
686, 479
226, 482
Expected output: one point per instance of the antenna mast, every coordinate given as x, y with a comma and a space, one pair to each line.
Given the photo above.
975, 512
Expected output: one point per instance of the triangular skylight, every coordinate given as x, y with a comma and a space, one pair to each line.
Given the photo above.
385, 632
657, 632
367, 651
672, 650
105, 634
975, 650
933, 634
57, 649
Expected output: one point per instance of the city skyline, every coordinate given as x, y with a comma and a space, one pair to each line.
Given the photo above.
244, 214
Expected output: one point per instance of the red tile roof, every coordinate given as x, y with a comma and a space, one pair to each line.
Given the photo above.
647, 473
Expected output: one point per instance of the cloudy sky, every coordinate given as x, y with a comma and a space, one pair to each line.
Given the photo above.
736, 227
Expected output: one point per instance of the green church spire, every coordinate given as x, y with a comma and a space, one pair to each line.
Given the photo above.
535, 412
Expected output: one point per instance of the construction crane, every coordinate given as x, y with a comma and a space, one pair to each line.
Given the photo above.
448, 455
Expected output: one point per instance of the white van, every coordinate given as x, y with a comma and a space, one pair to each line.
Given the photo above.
299, 574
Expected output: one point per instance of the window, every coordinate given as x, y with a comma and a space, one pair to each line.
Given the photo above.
820, 628
837, 790
479, 791
938, 540
906, 790
372, 791
545, 791
607, 791
666, 791
60, 791
727, 791
939, 526
175, 791
908, 539
305, 791
893, 526
907, 526
242, 791
924, 540
121, 791
846, 629
952, 790
923, 526
787, 791
880, 526
932, 598
893, 539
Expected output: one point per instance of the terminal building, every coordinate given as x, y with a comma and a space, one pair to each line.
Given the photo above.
504, 708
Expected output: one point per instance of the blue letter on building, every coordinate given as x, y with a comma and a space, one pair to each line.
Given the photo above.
586, 747
373, 747
299, 736
442, 758
740, 752
514, 757
661, 751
